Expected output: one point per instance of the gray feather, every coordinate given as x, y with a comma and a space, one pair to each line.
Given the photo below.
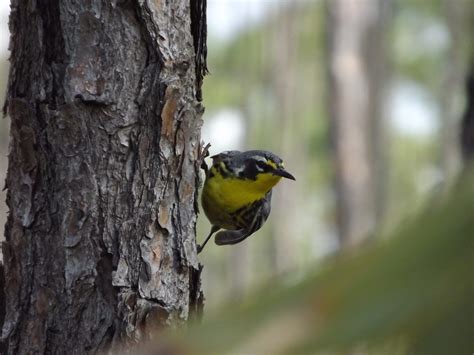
236, 236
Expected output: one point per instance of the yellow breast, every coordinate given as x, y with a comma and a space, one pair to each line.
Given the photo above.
222, 196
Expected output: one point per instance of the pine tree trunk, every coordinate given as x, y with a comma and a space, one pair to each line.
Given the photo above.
103, 172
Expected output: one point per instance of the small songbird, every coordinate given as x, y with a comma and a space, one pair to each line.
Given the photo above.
237, 193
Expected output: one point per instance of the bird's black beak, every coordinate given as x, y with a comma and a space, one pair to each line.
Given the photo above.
283, 173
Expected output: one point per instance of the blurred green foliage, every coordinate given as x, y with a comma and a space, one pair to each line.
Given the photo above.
244, 74
410, 293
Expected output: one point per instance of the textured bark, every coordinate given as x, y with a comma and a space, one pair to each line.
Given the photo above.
103, 172
356, 75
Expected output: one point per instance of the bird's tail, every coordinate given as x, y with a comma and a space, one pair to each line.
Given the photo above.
231, 236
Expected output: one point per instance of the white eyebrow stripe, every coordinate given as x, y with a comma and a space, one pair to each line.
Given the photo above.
259, 158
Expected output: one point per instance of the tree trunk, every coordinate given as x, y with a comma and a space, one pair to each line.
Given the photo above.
452, 86
376, 47
467, 125
284, 85
355, 106
103, 172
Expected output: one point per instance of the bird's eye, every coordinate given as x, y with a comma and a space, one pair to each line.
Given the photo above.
261, 165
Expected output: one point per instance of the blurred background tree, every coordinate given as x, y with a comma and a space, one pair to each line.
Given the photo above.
358, 75
283, 76
410, 294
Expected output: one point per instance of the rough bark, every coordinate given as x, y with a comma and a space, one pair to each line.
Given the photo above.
103, 172
356, 73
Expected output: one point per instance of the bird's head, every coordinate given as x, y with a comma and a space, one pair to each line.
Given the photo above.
262, 167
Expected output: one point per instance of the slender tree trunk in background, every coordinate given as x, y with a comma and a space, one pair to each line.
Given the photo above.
285, 86
355, 99
103, 172
452, 86
376, 47
467, 124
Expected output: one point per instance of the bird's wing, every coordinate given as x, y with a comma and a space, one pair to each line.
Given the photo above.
236, 236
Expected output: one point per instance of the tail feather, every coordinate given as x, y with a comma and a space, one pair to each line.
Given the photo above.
231, 236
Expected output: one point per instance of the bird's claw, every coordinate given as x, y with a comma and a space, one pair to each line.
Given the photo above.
203, 155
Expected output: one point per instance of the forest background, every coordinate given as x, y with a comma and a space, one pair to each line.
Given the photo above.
269, 88
272, 85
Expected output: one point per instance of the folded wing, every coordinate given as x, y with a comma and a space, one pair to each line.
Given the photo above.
236, 236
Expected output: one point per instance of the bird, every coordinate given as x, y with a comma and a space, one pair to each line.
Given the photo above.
237, 193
